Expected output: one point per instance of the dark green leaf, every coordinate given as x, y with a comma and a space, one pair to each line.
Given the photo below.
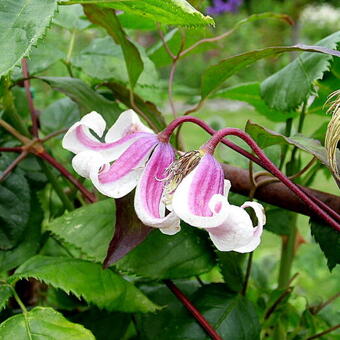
171, 12
42, 323
216, 75
5, 294
104, 325
107, 18
88, 228
288, 88
29, 245
104, 60
129, 230
148, 108
328, 240
279, 220
265, 137
161, 256
14, 205
231, 269
85, 97
59, 115
233, 317
250, 93
103, 288
22, 23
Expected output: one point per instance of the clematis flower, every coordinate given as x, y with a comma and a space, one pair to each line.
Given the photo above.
198, 194
222, 6
140, 159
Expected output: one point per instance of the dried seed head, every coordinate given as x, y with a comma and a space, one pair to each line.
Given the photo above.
333, 133
177, 171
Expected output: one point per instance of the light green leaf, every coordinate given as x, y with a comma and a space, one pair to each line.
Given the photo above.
216, 75
170, 12
5, 294
107, 18
104, 60
22, 23
251, 94
328, 240
59, 115
42, 323
103, 288
88, 99
287, 89
137, 22
70, 18
160, 256
89, 228
265, 137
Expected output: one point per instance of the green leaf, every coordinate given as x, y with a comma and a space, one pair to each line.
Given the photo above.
137, 22
71, 18
88, 99
104, 60
5, 294
231, 268
30, 243
89, 228
328, 240
160, 256
22, 23
171, 12
265, 137
59, 115
149, 109
286, 89
232, 316
14, 205
216, 75
42, 323
278, 220
107, 18
251, 94
103, 288
104, 325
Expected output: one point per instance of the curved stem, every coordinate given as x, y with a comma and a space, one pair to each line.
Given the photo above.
193, 310
12, 166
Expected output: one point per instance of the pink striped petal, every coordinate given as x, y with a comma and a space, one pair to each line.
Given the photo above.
122, 176
237, 232
199, 199
148, 199
119, 137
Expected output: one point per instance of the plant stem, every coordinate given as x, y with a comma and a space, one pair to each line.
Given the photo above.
34, 116
288, 129
287, 255
12, 166
192, 309
319, 335
56, 186
247, 276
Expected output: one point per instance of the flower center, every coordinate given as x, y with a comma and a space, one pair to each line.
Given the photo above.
177, 171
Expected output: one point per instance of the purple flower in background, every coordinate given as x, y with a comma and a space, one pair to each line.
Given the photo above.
222, 6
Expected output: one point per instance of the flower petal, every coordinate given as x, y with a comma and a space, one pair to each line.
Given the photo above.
199, 200
237, 232
122, 176
79, 137
127, 123
148, 199
84, 161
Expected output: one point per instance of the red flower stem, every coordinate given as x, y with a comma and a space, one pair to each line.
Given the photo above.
166, 133
27, 85
193, 310
218, 136
15, 149
87, 194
